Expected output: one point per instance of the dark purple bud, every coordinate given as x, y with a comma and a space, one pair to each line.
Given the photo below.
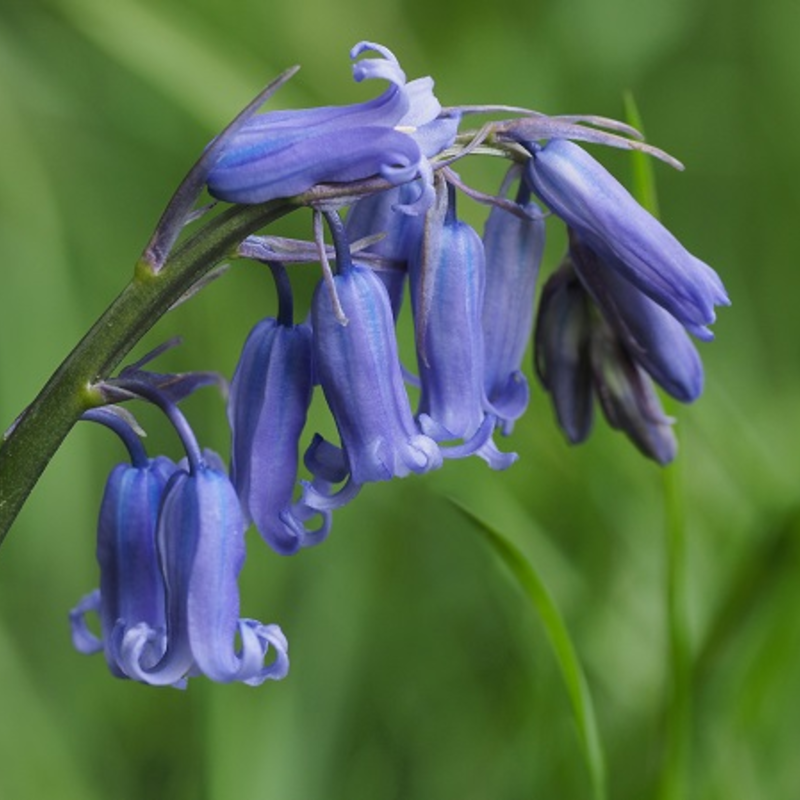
628, 398
561, 351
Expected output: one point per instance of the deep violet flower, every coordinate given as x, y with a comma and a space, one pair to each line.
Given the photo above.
561, 351
284, 153
627, 396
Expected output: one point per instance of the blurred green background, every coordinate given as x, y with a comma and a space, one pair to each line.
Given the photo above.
419, 671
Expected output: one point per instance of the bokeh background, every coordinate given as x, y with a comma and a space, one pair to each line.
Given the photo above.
419, 669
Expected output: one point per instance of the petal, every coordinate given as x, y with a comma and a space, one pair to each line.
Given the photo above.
83, 640
423, 105
267, 636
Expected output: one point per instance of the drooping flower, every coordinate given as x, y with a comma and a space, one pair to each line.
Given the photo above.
359, 370
267, 409
627, 237
447, 283
284, 153
201, 550
513, 246
131, 585
170, 549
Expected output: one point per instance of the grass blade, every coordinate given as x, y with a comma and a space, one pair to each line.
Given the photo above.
535, 590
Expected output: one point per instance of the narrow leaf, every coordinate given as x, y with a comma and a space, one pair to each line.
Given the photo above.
577, 688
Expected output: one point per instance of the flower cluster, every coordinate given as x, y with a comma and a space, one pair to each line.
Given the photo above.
614, 319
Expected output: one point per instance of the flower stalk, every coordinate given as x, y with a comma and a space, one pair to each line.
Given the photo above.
30, 444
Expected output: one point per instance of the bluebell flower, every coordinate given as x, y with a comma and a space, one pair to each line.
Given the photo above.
267, 409
513, 246
284, 153
201, 549
131, 585
359, 370
447, 283
627, 238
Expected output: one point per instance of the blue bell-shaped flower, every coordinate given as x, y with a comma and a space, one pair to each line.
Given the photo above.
131, 585
513, 246
447, 283
359, 370
201, 551
650, 334
267, 409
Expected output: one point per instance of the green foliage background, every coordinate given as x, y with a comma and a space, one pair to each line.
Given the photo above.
419, 669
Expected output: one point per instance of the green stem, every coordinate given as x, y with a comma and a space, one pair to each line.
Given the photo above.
679, 707
45, 423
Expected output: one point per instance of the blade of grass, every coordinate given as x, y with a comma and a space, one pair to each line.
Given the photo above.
672, 781
575, 682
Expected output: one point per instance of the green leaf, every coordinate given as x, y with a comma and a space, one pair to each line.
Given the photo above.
574, 680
